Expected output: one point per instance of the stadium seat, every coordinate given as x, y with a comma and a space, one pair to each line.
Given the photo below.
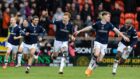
81, 7
51, 30
122, 21
121, 4
81, 2
122, 15
122, 8
136, 24
136, 16
138, 33
129, 16
89, 2
111, 34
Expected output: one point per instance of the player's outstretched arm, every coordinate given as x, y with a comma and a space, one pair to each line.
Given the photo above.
121, 34
17, 37
83, 30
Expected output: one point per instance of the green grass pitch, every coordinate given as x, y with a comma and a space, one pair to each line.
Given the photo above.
69, 73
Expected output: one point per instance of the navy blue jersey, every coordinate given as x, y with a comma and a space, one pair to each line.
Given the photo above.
131, 34
63, 31
102, 31
14, 31
34, 32
23, 31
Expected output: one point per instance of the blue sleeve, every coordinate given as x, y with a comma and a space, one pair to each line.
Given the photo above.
23, 31
42, 31
94, 26
134, 38
16, 31
122, 29
71, 30
111, 26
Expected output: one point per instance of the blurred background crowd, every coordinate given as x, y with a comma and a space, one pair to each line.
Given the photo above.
83, 12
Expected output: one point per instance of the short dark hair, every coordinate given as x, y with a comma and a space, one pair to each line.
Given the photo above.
34, 17
67, 14
105, 13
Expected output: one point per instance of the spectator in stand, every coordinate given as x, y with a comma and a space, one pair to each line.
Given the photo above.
138, 15
13, 10
55, 4
88, 22
78, 24
58, 15
22, 10
0, 19
27, 9
98, 10
85, 12
35, 8
44, 20
77, 6
74, 11
5, 23
107, 5
130, 6
115, 19
68, 8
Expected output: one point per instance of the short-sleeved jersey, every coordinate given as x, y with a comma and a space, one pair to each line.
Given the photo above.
131, 34
63, 31
14, 31
102, 31
34, 31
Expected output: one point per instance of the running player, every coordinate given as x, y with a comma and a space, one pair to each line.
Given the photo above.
24, 25
13, 41
125, 48
30, 42
102, 29
64, 31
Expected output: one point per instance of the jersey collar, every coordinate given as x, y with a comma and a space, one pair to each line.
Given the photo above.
33, 25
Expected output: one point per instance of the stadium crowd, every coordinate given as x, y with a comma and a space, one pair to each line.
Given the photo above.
83, 12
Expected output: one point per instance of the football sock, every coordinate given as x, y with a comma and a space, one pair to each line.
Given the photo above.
62, 64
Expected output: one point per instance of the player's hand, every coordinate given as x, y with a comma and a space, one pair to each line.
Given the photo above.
126, 38
72, 38
125, 48
27, 33
76, 33
40, 38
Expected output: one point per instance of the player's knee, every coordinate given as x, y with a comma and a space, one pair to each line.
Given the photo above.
99, 60
63, 49
25, 57
54, 55
8, 53
122, 61
118, 55
96, 54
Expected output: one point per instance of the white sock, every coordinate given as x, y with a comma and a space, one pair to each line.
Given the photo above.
115, 65
5, 62
62, 64
19, 58
92, 64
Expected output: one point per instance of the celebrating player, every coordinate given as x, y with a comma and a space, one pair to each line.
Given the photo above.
30, 42
24, 25
13, 41
63, 33
124, 47
102, 29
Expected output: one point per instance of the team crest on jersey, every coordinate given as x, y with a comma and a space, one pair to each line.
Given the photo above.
102, 27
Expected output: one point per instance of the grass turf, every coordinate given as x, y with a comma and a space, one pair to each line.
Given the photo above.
69, 73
